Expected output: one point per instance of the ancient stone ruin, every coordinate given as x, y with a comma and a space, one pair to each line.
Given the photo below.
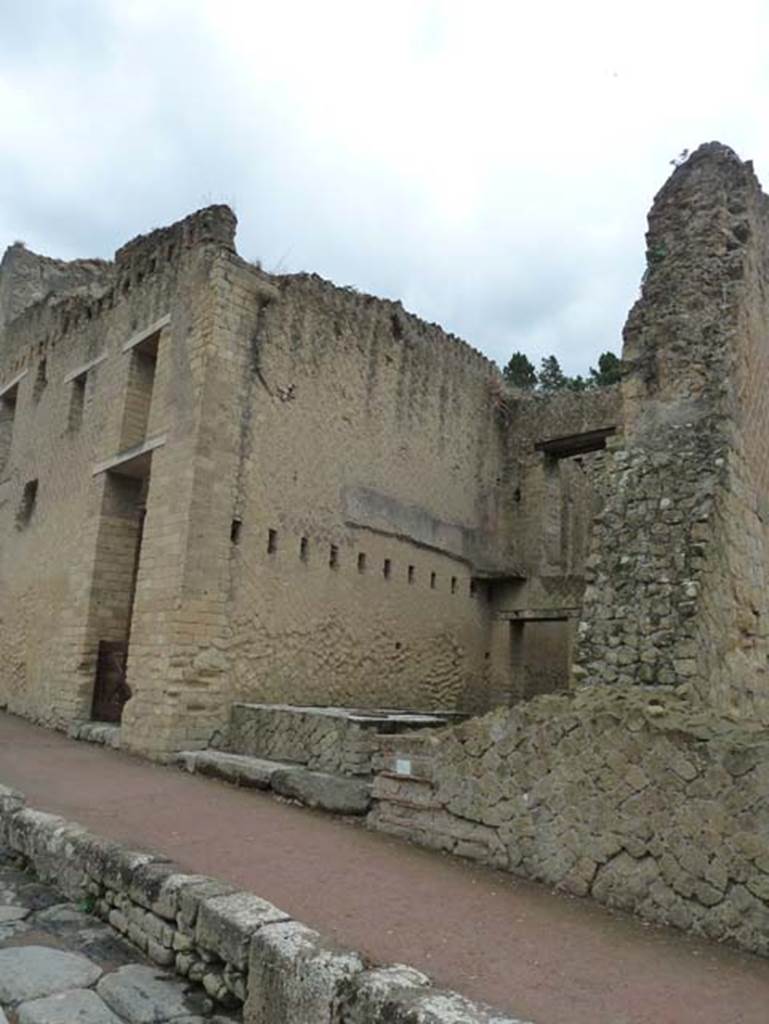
299, 535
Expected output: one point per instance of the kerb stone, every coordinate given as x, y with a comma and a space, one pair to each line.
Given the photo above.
226, 923
295, 976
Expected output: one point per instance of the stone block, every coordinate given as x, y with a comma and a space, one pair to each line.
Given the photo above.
144, 995
11, 800
149, 883
80, 1005
26, 827
295, 976
379, 993
190, 897
120, 865
160, 954
250, 772
225, 924
401, 995
336, 793
137, 936
32, 972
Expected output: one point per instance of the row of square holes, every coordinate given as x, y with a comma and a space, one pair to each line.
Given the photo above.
333, 559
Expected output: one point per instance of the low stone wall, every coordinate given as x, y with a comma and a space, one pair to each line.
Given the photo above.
631, 797
340, 741
241, 948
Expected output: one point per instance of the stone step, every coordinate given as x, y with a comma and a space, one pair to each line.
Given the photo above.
338, 794
337, 740
104, 733
252, 772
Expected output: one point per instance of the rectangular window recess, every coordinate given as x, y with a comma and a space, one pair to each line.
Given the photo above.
362, 561
235, 527
333, 557
148, 334
27, 506
387, 568
81, 370
575, 444
411, 574
123, 459
433, 580
77, 402
272, 542
41, 379
304, 546
13, 383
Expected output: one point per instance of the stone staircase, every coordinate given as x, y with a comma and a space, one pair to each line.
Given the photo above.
321, 757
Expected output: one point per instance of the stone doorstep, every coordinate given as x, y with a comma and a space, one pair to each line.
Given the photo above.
103, 733
339, 794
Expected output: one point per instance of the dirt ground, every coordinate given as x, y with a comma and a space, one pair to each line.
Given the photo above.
520, 947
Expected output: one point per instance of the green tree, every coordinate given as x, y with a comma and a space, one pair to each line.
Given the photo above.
551, 377
577, 383
609, 370
520, 372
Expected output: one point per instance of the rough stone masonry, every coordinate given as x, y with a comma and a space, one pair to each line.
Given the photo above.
220, 487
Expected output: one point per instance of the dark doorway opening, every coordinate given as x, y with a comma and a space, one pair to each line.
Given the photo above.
115, 582
540, 656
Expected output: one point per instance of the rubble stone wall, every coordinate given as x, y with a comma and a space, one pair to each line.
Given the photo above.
627, 796
677, 577
322, 742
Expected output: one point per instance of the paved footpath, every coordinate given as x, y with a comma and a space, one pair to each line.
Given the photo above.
59, 965
516, 945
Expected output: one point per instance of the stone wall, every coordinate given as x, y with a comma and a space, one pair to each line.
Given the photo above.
551, 501
27, 278
678, 568
369, 492
342, 741
627, 796
333, 490
82, 425
242, 949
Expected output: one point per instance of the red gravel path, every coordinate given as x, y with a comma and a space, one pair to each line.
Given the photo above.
516, 945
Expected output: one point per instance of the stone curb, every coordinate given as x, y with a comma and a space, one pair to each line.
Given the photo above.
241, 948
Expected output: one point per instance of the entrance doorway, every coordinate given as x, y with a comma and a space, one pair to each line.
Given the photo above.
540, 656
118, 557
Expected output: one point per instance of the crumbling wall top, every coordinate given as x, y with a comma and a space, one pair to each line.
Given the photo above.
213, 224
26, 278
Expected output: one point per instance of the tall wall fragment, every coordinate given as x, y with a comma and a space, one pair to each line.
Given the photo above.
677, 578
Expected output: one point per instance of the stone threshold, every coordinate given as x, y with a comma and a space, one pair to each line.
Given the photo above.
103, 733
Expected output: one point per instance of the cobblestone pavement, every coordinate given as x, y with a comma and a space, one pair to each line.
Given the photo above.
60, 965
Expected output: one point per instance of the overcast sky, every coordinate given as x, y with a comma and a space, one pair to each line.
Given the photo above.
488, 162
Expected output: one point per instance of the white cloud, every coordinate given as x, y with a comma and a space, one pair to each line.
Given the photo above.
490, 163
